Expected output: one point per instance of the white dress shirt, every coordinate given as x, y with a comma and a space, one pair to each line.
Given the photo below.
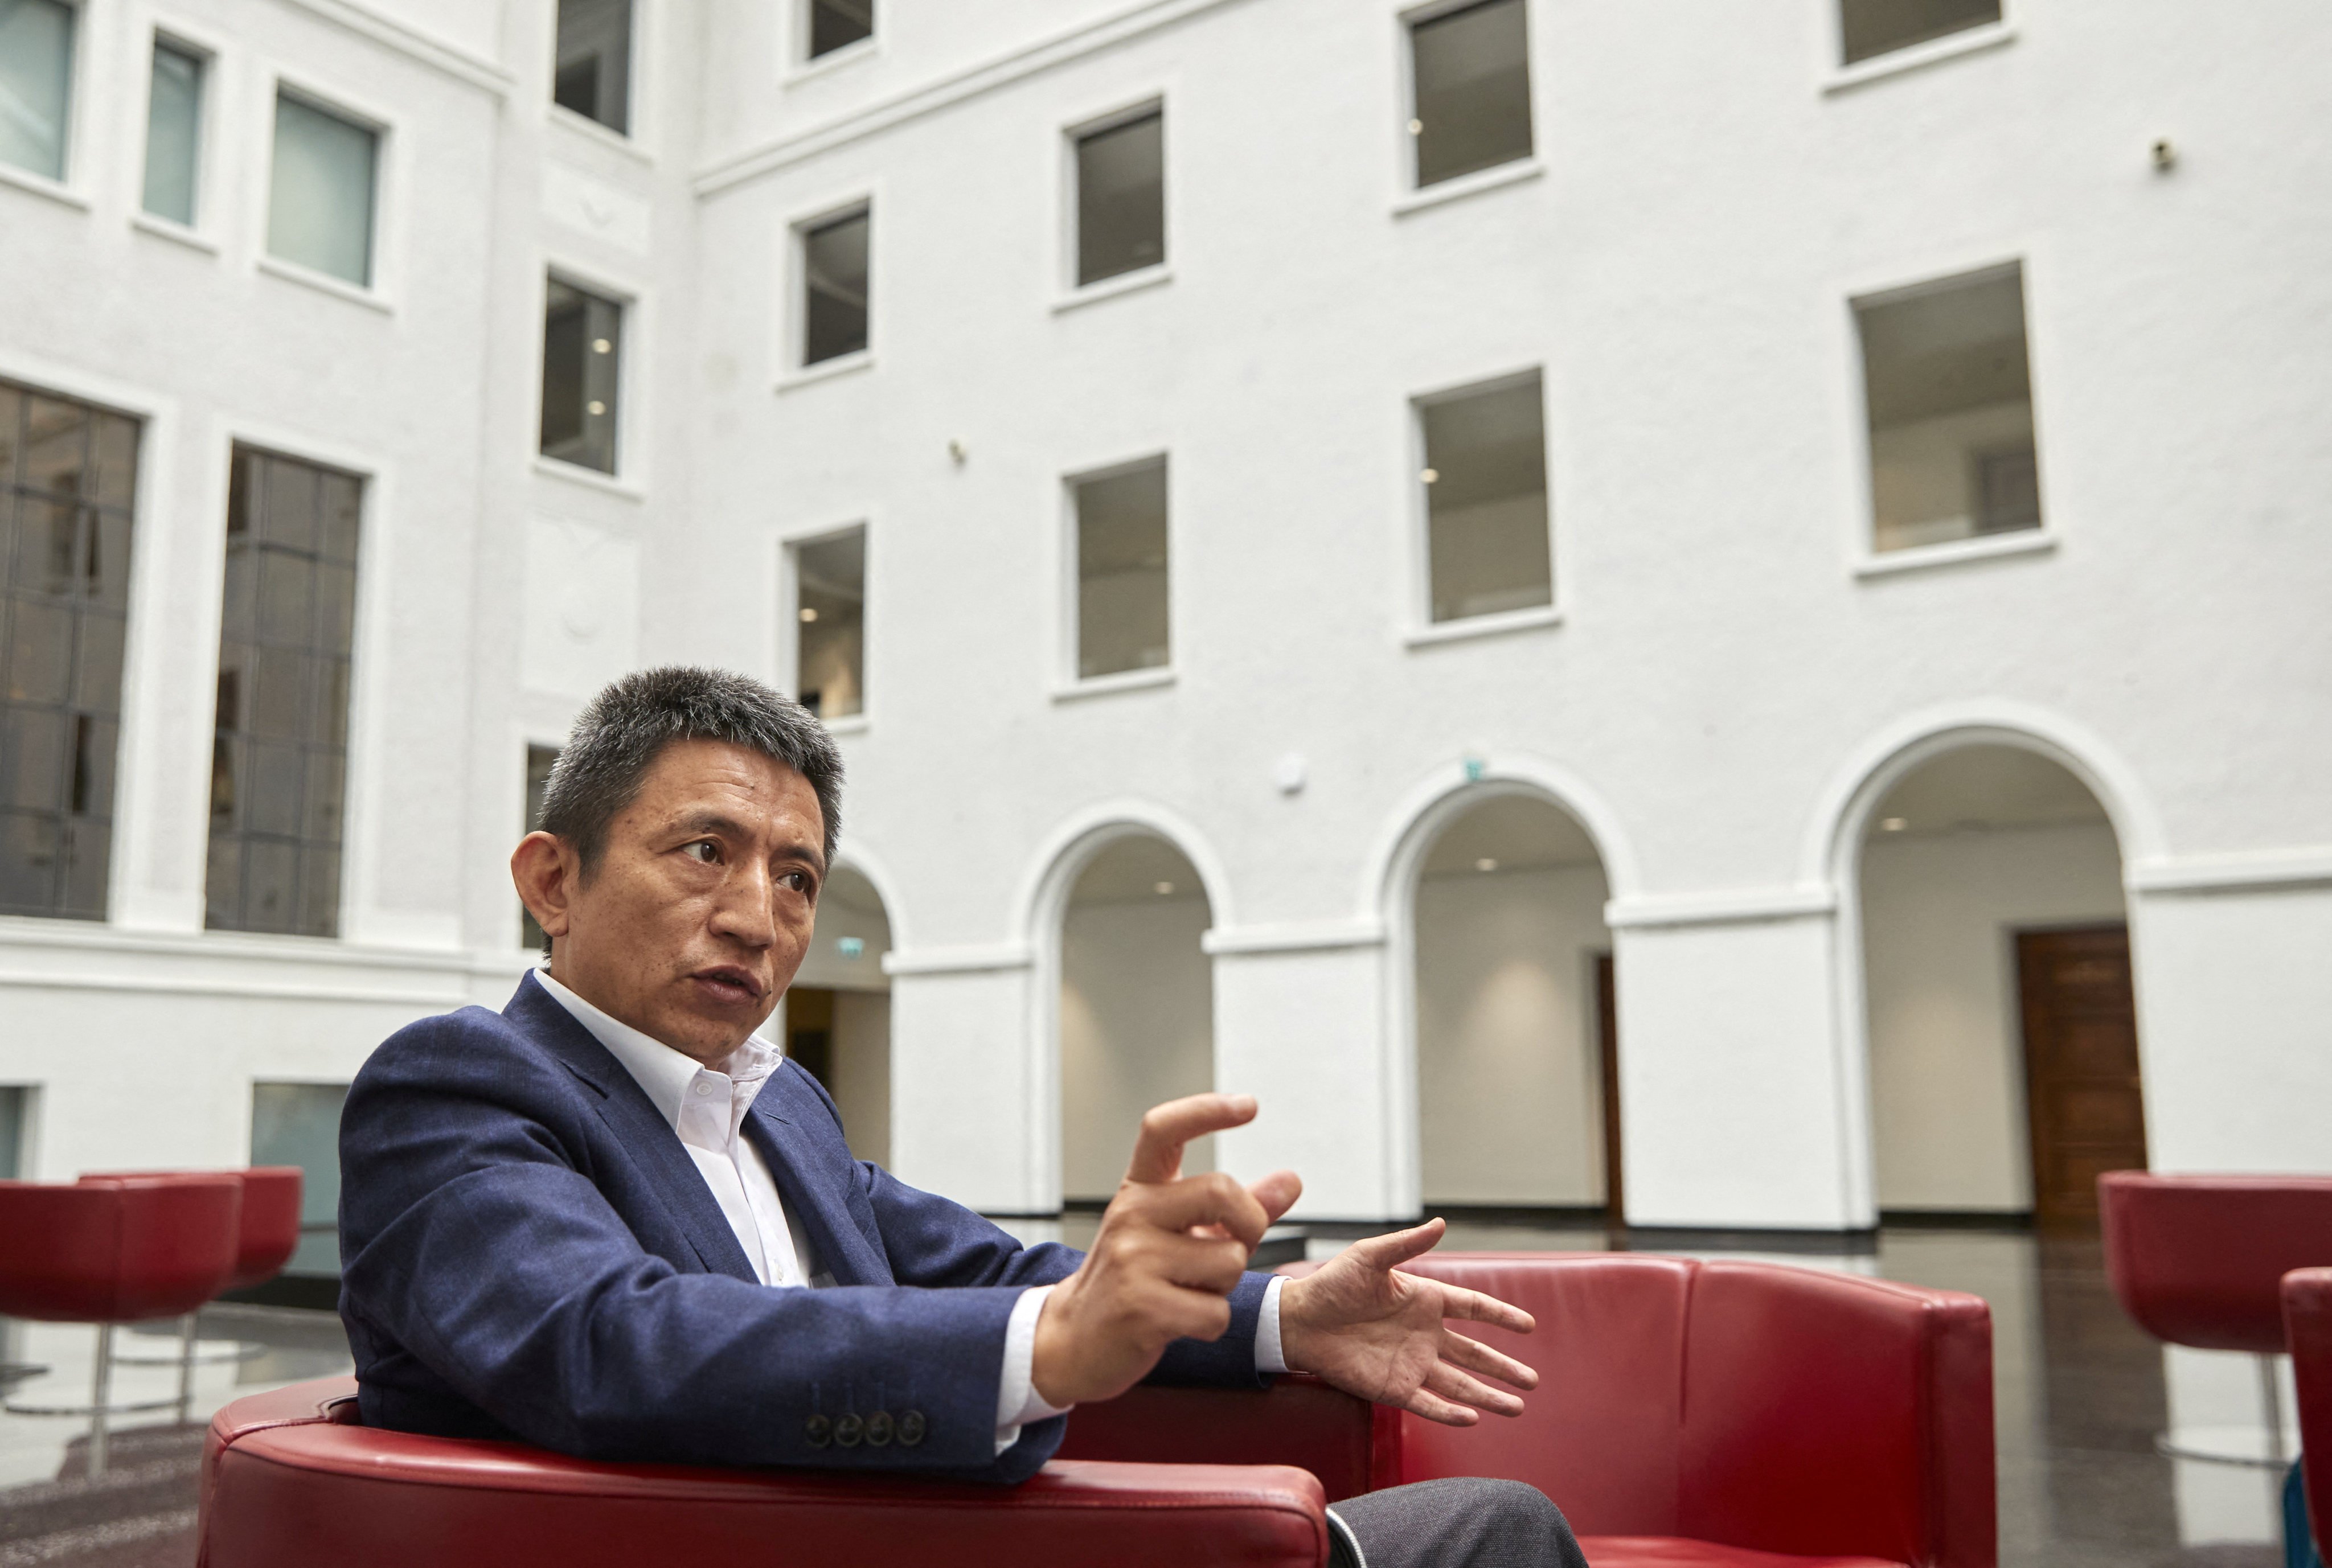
706, 1107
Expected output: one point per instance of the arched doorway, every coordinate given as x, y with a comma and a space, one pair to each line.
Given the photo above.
837, 1013
1997, 988
1137, 1008
1517, 1029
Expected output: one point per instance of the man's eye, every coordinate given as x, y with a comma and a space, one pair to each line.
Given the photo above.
704, 849
797, 880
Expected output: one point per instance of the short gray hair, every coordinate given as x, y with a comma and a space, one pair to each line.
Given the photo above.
626, 727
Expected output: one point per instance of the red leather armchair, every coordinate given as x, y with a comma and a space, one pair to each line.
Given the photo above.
291, 1479
1731, 1414
2307, 1329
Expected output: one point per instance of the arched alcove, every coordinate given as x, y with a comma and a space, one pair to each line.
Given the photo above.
837, 1012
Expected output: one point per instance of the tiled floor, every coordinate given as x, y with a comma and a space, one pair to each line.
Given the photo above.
2081, 1394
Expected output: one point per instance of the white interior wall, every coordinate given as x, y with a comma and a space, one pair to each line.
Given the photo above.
861, 1070
1509, 1099
1137, 1027
1939, 914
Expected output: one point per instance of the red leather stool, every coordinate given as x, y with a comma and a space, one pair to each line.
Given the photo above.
2199, 1261
270, 1234
292, 1478
2308, 1330
114, 1250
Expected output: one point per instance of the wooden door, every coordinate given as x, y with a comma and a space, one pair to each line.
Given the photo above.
2080, 1066
1607, 1040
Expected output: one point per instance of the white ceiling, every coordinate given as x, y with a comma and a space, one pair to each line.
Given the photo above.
1132, 868
1986, 787
1519, 832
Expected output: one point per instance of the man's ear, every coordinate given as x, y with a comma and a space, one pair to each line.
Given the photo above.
545, 869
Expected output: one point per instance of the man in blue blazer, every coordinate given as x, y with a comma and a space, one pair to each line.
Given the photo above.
610, 1222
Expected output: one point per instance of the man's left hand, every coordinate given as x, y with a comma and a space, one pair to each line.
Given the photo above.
1379, 1333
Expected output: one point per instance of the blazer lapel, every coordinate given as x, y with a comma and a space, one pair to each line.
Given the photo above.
638, 1126
817, 1191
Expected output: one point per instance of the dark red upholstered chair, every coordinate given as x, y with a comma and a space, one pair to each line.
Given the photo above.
1730, 1414
2199, 1261
291, 1479
2308, 1330
112, 1251
269, 1234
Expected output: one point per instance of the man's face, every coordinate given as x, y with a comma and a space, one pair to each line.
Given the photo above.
700, 909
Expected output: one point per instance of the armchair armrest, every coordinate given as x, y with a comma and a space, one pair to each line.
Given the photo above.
2308, 1330
1299, 1420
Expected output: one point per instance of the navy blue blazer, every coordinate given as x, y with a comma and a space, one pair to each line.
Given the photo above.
528, 1251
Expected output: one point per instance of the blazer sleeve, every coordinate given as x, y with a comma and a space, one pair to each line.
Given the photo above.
476, 1239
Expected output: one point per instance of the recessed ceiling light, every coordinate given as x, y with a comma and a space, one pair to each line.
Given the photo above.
1485, 864
1430, 475
1893, 825
809, 614
601, 346
1164, 887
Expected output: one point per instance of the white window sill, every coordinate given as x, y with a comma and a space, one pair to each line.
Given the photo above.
1132, 283
1919, 557
167, 229
1920, 56
848, 725
291, 272
1489, 626
1109, 685
590, 478
827, 371
1469, 185
832, 61
41, 185
591, 131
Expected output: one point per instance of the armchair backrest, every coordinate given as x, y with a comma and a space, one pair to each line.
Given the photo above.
1756, 1405
2198, 1260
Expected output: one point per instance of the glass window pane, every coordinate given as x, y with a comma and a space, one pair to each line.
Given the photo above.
33, 759
582, 356
1472, 74
14, 1107
112, 457
1948, 382
835, 279
32, 855
1869, 27
40, 651
1121, 198
90, 789
1484, 481
1121, 585
593, 76
320, 210
36, 48
174, 123
286, 598
835, 22
56, 446
12, 430
300, 1124
88, 848
830, 614
96, 673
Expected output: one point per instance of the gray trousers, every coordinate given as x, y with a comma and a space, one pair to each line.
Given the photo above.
1461, 1523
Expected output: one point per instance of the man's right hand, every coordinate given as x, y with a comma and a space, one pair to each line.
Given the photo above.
1170, 1250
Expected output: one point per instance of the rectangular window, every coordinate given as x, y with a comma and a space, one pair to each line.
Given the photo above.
320, 212
1948, 385
593, 75
1486, 509
582, 354
1121, 585
37, 64
1121, 198
174, 126
68, 484
15, 1103
300, 1124
838, 23
1871, 27
1471, 69
835, 277
279, 759
830, 621
538, 760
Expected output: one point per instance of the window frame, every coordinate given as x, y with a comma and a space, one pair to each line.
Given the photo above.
555, 273
1069, 292
203, 232
1833, 75
630, 478
1416, 509
792, 371
800, 62
1069, 605
1411, 195
787, 662
380, 291
72, 185
1864, 558
639, 94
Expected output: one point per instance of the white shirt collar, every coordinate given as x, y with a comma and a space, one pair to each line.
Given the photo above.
661, 1072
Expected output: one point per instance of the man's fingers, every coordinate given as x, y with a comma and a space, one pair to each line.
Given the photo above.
1202, 1263
1475, 1356
1399, 1247
1466, 1388
1278, 1192
1158, 1148
1476, 1307
1434, 1408
1211, 1199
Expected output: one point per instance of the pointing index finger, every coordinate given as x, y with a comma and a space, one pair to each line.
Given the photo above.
1165, 1129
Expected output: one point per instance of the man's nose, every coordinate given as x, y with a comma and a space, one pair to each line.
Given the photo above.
746, 910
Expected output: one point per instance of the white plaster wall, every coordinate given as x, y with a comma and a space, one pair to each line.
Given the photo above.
862, 1071
1137, 1028
1940, 914
1509, 1101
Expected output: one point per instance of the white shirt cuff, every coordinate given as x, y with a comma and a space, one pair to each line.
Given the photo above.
1269, 1358
1017, 1402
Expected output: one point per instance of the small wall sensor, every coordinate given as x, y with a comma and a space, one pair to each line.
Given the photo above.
1290, 773
956, 451
2165, 156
